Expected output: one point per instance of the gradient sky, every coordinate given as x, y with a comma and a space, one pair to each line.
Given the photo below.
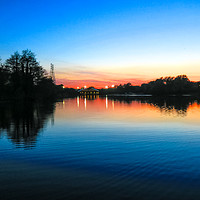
101, 42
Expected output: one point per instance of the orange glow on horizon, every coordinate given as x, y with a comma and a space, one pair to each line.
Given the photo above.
97, 84
101, 79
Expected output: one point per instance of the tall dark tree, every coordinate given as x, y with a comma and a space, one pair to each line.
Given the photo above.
14, 62
25, 77
30, 66
4, 79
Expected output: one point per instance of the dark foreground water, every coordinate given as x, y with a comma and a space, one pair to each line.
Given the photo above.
100, 148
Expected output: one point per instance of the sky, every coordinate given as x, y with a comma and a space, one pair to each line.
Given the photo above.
100, 42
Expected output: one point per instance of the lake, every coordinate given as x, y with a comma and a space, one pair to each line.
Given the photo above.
101, 148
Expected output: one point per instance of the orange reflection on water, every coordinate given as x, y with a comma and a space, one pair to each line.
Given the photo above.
193, 112
89, 108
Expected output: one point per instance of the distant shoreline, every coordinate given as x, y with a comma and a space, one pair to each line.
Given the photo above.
149, 95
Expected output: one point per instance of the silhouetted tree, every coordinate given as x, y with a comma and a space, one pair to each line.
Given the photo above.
23, 77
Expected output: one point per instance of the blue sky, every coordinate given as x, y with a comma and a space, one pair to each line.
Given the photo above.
105, 40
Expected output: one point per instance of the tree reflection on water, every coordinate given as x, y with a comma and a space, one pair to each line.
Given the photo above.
23, 121
167, 105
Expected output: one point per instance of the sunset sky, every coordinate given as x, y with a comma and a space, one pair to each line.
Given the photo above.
101, 42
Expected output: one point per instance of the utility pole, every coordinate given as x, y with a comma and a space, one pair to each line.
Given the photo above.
52, 73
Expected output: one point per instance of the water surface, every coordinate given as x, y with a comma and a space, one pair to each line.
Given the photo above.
100, 148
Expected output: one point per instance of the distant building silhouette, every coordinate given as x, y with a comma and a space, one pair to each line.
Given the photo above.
88, 91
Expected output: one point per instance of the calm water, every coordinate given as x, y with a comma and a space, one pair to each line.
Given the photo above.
100, 148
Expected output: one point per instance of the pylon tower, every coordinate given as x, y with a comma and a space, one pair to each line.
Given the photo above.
52, 73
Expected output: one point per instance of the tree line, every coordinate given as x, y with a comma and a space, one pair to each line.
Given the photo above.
178, 85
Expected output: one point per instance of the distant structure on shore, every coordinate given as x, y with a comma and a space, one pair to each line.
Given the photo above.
52, 73
88, 91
